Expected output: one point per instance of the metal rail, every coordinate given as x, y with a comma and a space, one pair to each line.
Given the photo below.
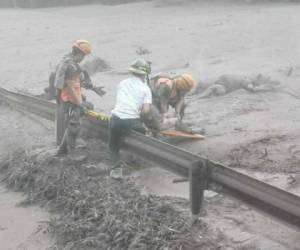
280, 204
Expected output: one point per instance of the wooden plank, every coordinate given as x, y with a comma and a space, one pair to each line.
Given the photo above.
180, 134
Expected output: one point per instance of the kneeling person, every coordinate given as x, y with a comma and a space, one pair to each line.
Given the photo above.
168, 91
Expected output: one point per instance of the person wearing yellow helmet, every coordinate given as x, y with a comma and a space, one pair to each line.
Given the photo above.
83, 45
67, 83
171, 91
80, 48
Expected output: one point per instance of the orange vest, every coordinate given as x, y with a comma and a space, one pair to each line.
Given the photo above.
67, 97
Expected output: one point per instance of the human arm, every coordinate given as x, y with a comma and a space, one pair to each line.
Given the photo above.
59, 80
153, 119
147, 102
85, 80
179, 108
164, 106
146, 108
179, 104
163, 94
87, 83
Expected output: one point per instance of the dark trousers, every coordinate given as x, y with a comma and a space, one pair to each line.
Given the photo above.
60, 122
118, 128
72, 122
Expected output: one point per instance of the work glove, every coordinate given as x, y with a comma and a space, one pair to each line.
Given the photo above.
99, 90
87, 83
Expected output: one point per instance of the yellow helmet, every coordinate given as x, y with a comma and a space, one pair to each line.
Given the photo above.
185, 82
84, 46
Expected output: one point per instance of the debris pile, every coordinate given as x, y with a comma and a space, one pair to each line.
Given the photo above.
96, 212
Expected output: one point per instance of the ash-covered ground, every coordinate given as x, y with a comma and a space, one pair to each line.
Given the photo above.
256, 133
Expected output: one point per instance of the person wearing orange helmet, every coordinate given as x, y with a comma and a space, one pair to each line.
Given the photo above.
171, 91
69, 98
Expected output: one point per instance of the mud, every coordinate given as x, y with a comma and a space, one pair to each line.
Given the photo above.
97, 212
20, 227
253, 132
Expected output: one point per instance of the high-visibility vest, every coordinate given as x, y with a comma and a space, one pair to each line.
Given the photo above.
65, 93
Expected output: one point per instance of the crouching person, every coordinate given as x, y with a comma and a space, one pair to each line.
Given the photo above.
134, 99
168, 92
69, 99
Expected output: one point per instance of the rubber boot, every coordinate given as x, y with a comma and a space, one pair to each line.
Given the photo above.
61, 124
80, 143
72, 134
114, 157
62, 149
117, 171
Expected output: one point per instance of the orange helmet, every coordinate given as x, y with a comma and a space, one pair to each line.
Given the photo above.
185, 82
84, 46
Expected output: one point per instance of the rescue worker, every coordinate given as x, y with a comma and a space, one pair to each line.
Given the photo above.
169, 91
69, 98
134, 99
85, 82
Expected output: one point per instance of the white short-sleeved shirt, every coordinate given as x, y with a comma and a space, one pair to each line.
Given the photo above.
132, 93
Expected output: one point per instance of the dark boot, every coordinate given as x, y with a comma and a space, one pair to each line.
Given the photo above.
114, 157
62, 149
71, 145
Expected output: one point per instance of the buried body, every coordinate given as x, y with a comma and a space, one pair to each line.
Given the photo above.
229, 83
156, 122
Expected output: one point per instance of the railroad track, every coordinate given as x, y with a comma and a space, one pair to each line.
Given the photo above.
201, 172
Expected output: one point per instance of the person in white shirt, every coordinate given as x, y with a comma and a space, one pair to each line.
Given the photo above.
134, 98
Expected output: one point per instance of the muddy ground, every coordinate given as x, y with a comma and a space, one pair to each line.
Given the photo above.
254, 133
